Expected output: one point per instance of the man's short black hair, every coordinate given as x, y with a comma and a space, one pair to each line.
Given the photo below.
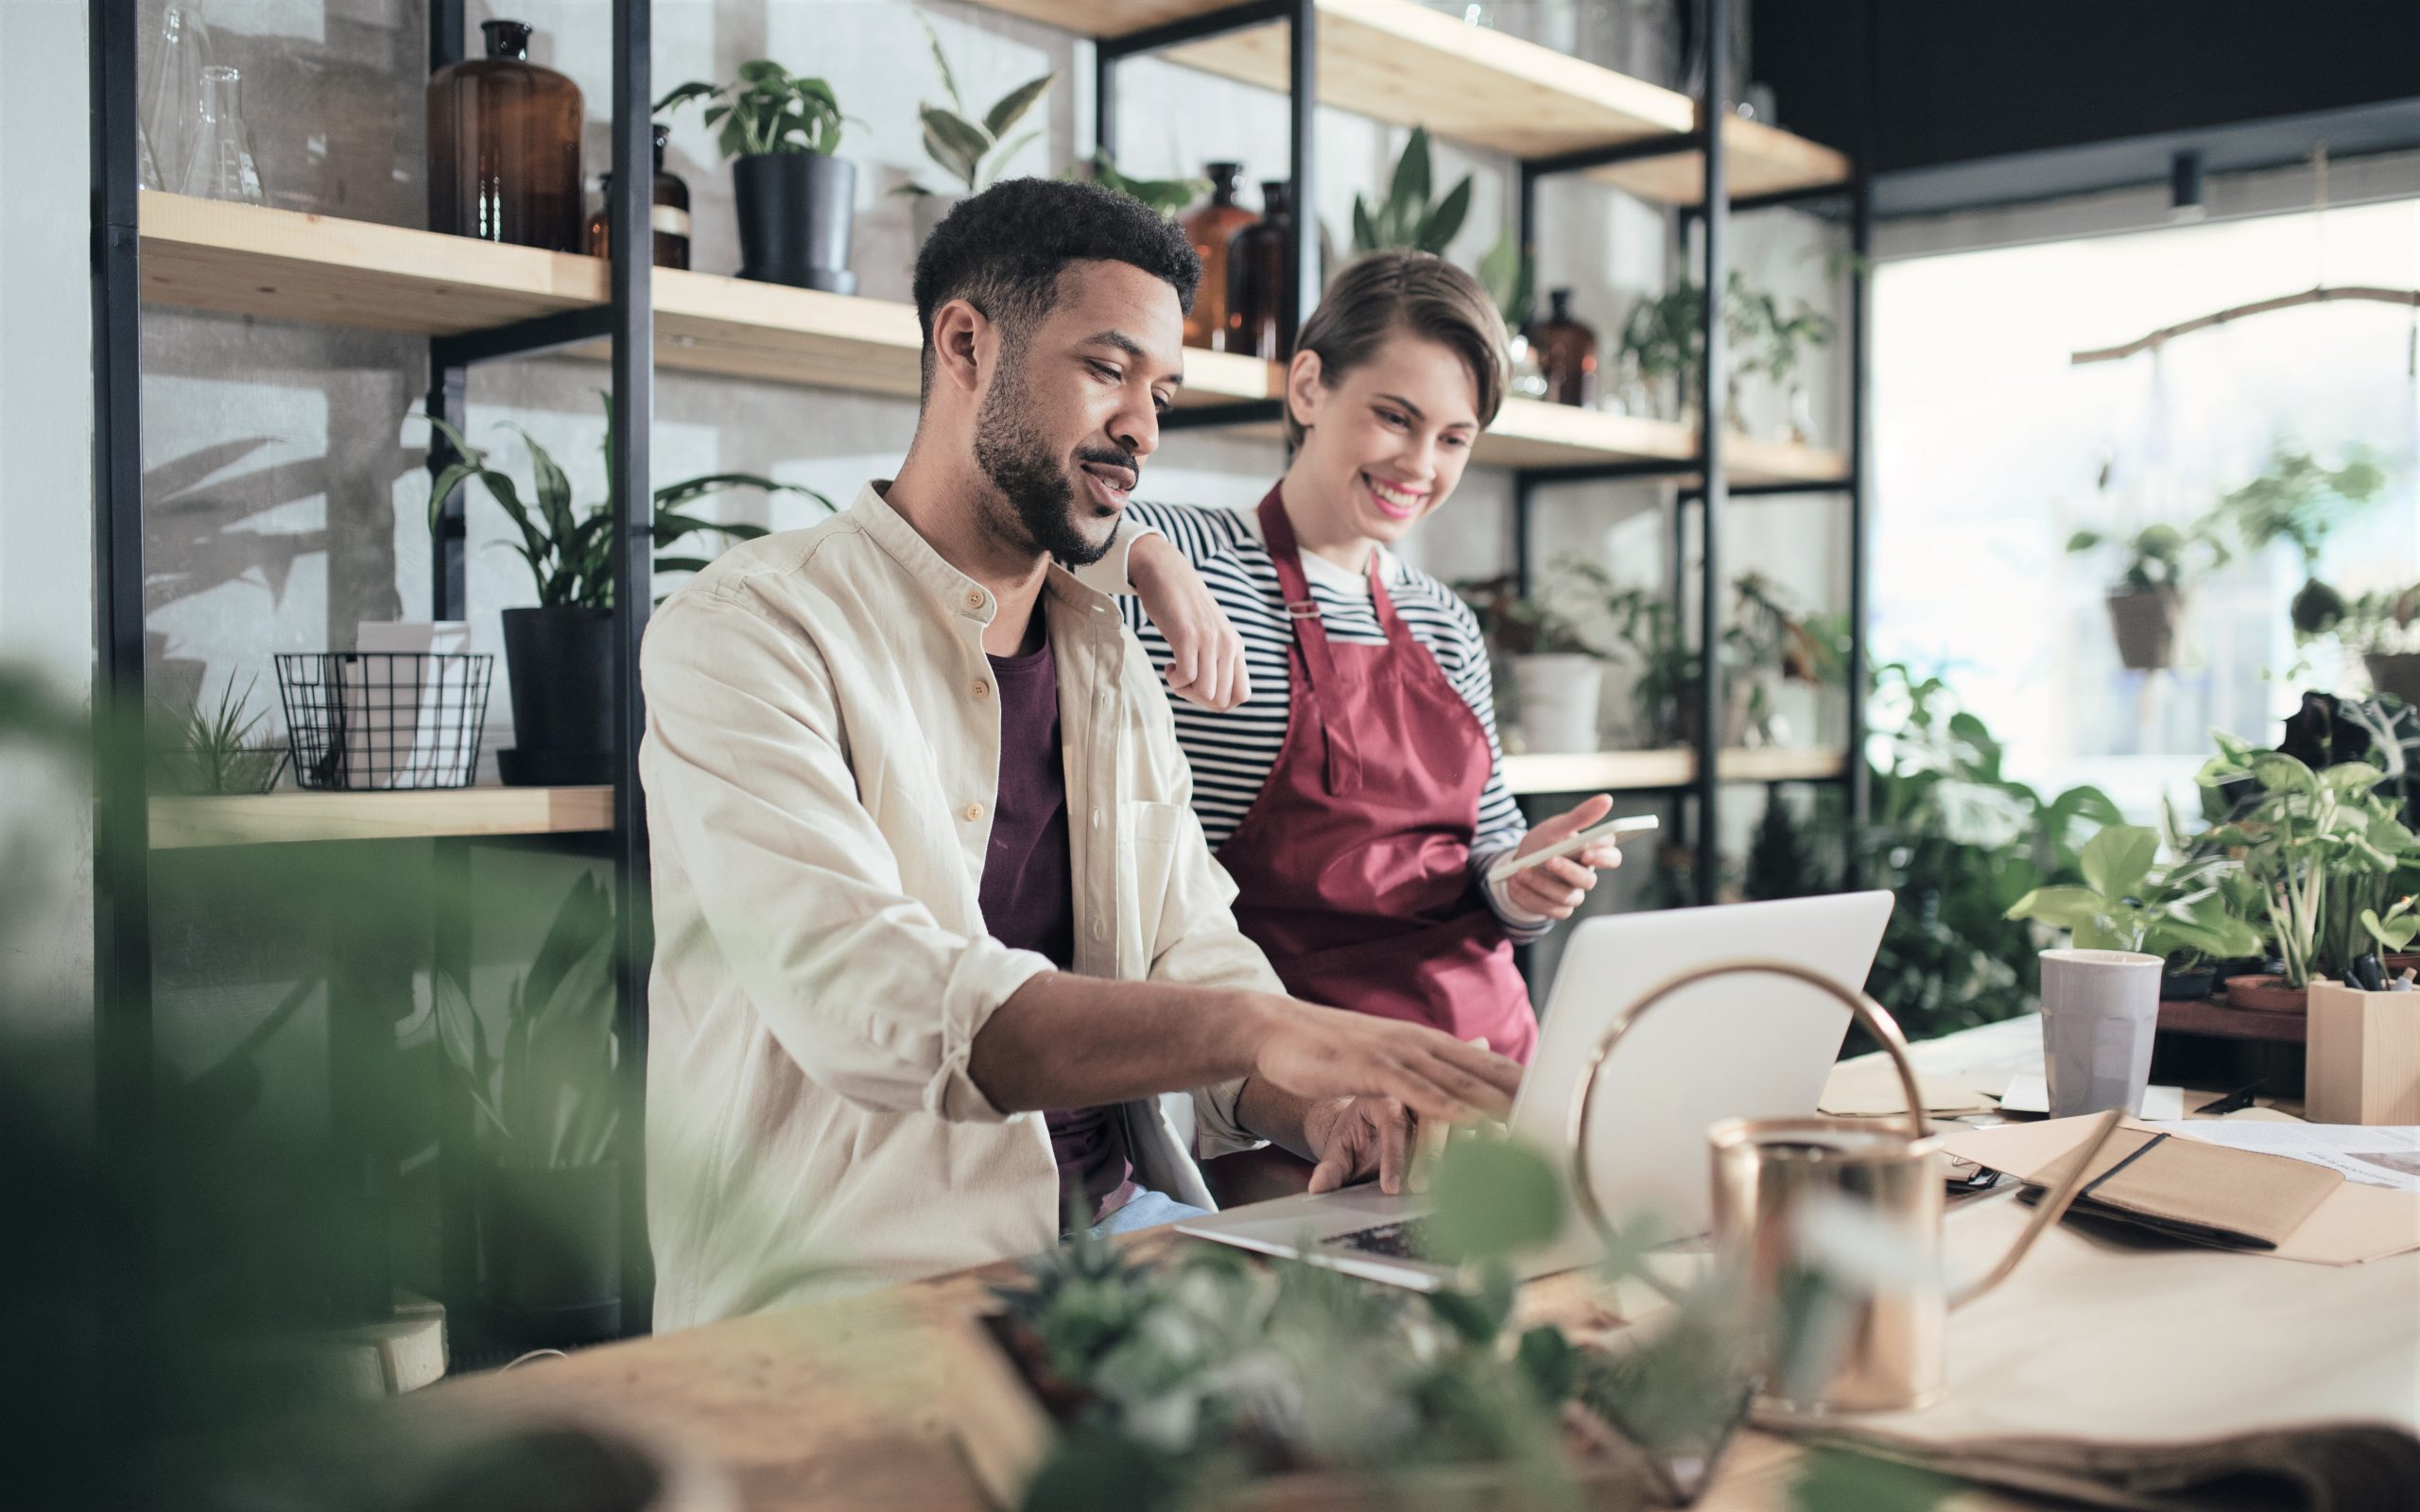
1003, 249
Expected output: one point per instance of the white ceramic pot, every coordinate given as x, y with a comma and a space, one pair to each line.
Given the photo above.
1559, 693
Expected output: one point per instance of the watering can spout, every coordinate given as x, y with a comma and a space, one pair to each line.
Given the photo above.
2050, 1210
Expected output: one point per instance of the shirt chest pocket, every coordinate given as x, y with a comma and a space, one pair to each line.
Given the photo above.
1149, 839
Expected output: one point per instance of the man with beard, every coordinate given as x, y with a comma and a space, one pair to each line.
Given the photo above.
944, 965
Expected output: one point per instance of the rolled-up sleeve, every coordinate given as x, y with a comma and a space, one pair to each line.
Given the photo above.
799, 890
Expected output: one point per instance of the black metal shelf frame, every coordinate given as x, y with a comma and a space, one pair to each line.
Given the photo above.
1714, 488
122, 982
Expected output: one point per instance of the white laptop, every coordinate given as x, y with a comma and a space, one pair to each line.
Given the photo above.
1746, 1046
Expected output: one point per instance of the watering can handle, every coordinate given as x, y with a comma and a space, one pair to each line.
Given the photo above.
1876, 1018
2048, 1211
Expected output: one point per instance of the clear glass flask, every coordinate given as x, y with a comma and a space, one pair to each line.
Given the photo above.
220, 163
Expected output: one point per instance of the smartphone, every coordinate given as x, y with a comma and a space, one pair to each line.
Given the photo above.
1610, 830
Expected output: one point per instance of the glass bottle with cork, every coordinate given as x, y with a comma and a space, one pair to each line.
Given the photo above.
1566, 353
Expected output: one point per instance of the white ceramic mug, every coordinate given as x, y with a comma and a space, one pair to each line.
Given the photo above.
2100, 1011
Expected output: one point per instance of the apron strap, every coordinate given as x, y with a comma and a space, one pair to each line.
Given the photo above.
1342, 768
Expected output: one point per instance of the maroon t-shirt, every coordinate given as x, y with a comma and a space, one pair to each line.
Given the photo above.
1029, 898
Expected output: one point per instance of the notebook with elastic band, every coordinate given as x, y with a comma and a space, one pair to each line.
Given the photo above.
2239, 1199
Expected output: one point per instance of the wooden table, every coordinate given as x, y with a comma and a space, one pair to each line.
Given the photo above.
838, 1406
835, 1407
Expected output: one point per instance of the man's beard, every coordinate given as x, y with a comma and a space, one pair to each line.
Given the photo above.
1030, 476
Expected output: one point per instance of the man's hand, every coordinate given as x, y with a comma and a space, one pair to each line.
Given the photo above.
1322, 1054
1208, 664
1354, 1137
1555, 888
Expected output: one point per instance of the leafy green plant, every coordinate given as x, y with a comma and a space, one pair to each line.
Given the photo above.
2323, 847
2296, 499
2380, 623
2160, 556
2127, 902
548, 1098
768, 109
1407, 218
2395, 930
212, 748
973, 151
1165, 196
570, 553
1665, 337
1510, 275
1544, 625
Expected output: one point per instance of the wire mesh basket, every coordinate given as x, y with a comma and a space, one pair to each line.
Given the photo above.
383, 719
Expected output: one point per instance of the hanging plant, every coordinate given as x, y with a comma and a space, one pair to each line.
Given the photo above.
2296, 499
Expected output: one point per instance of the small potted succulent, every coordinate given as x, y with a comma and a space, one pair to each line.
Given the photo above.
797, 202
561, 654
971, 150
214, 747
2147, 602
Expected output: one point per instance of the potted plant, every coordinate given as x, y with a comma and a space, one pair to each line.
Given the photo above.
2127, 902
1557, 678
1407, 218
796, 200
1510, 275
2296, 499
216, 748
546, 1107
2379, 628
1664, 341
971, 151
1165, 196
1777, 342
2148, 600
2323, 847
1774, 643
561, 654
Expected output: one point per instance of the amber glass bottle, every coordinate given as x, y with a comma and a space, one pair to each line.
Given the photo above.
1210, 228
1567, 350
670, 214
1257, 278
504, 146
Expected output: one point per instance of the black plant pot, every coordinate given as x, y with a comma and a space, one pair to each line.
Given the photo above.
561, 664
796, 210
550, 1255
2187, 987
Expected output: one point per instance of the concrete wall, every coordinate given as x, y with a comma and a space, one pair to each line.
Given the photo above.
45, 508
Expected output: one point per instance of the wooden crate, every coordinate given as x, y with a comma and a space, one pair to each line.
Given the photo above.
2364, 1057
1005, 1433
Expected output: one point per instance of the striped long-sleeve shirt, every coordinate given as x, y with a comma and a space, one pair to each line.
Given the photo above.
1233, 753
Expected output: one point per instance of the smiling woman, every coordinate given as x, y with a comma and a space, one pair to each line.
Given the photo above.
1355, 794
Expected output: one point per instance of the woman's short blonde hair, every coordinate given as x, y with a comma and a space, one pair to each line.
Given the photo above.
1415, 292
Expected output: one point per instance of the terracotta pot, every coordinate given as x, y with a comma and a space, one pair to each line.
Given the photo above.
2144, 623
2267, 994
2396, 672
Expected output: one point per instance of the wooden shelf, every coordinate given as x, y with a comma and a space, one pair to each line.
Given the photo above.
178, 823
205, 254
1400, 62
1617, 771
317, 269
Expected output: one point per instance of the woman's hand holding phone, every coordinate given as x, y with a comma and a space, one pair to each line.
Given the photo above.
1556, 888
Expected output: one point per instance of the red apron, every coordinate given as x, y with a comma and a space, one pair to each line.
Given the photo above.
1354, 864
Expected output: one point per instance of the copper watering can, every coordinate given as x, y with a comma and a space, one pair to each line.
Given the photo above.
1771, 1175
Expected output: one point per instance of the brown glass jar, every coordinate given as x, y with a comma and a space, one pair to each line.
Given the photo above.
1210, 228
504, 147
1568, 351
670, 214
1257, 278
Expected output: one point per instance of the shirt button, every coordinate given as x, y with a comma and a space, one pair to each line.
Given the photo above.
1096, 819
974, 811
1100, 930
983, 689
973, 599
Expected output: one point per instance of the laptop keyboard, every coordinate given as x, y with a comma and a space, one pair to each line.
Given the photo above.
1404, 1239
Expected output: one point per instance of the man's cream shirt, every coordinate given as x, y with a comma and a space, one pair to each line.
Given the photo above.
820, 760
